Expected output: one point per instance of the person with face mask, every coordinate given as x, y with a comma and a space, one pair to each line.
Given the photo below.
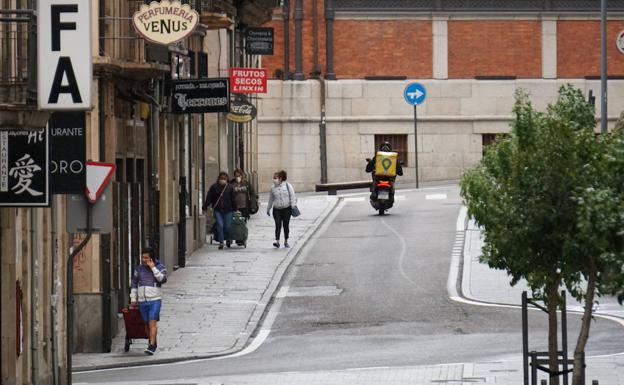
282, 199
221, 198
244, 193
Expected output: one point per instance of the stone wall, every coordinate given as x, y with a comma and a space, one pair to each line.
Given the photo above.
451, 122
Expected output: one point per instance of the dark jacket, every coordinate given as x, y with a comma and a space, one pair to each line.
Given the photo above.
370, 167
226, 203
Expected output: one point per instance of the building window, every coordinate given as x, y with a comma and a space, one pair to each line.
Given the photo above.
398, 143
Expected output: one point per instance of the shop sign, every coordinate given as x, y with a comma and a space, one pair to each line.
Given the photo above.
248, 80
67, 152
165, 22
259, 41
24, 161
200, 96
241, 111
64, 55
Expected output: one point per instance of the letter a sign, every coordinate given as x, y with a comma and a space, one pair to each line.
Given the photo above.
64, 55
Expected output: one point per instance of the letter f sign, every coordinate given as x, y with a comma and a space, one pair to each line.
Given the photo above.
64, 60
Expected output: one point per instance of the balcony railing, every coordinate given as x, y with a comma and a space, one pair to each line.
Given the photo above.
18, 57
118, 38
214, 6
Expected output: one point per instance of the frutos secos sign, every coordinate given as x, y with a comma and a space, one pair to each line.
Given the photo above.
165, 22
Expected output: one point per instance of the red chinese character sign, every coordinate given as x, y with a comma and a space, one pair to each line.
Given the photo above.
248, 80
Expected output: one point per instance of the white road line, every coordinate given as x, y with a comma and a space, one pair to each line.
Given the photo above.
451, 283
355, 199
403, 252
400, 197
433, 197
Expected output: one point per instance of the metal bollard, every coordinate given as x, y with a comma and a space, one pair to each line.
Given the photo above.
544, 382
594, 382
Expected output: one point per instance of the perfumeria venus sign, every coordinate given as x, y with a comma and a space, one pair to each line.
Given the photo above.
165, 22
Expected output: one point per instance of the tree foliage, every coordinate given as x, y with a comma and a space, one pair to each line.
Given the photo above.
550, 200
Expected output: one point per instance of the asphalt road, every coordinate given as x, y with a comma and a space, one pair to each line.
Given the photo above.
370, 291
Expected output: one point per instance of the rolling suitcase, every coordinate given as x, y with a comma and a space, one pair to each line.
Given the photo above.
238, 231
135, 327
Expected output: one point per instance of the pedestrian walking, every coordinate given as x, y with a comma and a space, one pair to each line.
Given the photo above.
221, 198
282, 199
244, 194
147, 279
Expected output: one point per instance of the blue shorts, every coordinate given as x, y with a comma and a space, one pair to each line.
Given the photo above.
150, 310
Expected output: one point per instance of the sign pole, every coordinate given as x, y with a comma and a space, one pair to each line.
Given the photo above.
70, 294
416, 141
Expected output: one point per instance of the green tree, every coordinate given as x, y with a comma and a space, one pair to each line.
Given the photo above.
537, 195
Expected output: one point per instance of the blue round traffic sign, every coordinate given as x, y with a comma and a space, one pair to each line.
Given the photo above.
415, 94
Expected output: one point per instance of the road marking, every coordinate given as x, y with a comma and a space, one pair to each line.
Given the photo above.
403, 252
435, 197
355, 199
451, 283
400, 197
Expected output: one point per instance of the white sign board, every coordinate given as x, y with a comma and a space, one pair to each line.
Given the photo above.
64, 54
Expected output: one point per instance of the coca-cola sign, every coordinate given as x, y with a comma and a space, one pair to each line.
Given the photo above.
200, 96
241, 111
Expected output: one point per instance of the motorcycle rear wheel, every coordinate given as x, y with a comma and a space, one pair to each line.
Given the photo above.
382, 212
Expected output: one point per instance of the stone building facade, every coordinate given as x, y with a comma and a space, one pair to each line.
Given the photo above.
164, 166
341, 82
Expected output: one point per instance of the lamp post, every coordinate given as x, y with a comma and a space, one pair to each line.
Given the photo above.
603, 66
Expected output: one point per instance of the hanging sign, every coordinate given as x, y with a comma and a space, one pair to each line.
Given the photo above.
259, 41
248, 80
64, 55
241, 111
165, 22
67, 152
619, 42
24, 168
200, 96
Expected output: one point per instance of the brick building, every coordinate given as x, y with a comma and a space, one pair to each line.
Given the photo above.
340, 67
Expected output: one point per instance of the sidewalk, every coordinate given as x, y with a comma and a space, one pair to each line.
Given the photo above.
213, 305
483, 284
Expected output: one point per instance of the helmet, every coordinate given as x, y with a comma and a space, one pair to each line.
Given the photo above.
386, 147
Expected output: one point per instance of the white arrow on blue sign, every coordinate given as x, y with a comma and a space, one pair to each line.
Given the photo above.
415, 94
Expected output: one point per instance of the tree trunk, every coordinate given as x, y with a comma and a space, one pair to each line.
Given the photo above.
578, 376
552, 301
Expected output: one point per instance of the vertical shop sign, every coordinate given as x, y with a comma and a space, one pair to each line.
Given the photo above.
67, 152
24, 161
64, 55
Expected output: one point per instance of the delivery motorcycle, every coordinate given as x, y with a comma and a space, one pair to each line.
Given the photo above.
382, 193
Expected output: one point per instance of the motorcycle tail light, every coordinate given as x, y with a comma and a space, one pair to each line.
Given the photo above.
384, 183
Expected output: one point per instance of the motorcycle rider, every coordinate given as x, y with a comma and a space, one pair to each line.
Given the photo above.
370, 167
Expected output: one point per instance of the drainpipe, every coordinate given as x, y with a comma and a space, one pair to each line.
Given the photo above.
317, 68
54, 283
323, 133
330, 15
105, 239
286, 16
298, 43
34, 296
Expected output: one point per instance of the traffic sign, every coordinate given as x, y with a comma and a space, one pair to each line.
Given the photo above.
98, 175
415, 94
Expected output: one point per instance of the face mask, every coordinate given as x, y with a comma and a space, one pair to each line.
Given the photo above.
276, 181
222, 182
238, 179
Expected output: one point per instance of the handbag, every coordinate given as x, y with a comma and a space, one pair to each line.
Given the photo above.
295, 212
253, 203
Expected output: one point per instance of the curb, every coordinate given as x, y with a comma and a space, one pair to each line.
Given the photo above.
257, 314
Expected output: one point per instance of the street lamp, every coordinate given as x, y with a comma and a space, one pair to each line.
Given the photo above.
603, 66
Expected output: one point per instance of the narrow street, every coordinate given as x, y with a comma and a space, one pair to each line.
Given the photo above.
370, 292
